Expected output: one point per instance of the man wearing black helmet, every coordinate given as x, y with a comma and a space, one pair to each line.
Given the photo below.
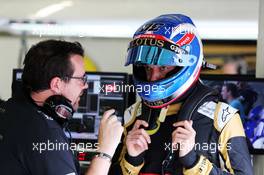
180, 127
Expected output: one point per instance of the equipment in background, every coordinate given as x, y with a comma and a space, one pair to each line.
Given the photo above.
250, 92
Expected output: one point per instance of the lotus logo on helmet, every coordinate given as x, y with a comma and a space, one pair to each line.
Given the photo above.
147, 41
151, 27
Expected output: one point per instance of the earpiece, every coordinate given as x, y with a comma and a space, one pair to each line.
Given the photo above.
59, 108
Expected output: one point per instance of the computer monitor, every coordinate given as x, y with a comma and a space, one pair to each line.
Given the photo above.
249, 94
103, 93
17, 82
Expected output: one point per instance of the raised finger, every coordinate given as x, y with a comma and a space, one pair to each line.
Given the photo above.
107, 114
141, 132
139, 123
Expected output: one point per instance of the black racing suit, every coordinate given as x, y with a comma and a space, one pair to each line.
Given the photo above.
31, 142
219, 135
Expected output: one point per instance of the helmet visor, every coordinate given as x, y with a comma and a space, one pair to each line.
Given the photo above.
158, 52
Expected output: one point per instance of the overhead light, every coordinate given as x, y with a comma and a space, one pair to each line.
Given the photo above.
209, 30
51, 9
115, 29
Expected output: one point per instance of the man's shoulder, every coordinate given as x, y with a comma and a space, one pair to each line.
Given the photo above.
14, 111
16, 105
22, 117
209, 105
221, 113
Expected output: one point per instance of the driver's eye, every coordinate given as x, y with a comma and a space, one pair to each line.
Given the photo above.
148, 68
163, 68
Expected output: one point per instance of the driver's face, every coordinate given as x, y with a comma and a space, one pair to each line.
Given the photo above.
155, 73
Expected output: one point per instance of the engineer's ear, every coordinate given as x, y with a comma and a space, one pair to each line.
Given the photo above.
56, 85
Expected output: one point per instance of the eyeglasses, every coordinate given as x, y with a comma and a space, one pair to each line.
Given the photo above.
84, 79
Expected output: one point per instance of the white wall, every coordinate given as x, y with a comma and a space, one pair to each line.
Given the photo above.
260, 44
134, 9
9, 47
108, 54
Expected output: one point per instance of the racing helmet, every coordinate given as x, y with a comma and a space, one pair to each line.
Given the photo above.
167, 40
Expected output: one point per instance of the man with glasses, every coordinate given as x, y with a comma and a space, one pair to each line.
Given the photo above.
32, 139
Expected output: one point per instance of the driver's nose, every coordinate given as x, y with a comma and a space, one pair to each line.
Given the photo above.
154, 74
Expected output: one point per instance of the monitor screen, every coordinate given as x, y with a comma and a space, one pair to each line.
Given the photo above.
17, 82
245, 93
103, 93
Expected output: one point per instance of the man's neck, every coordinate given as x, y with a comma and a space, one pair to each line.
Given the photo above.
40, 97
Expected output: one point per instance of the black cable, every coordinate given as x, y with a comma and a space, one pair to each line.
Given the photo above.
69, 132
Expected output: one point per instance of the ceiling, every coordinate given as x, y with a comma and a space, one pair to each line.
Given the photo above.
220, 15
133, 9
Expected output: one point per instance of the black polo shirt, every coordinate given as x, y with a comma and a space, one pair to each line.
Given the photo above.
31, 142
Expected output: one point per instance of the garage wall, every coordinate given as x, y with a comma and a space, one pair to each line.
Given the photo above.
108, 55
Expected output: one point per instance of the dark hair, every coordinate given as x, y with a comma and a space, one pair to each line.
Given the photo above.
232, 88
1, 101
46, 60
